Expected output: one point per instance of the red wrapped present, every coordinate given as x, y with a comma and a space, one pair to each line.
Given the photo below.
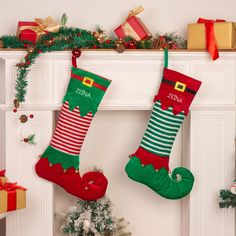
12, 197
3, 178
133, 26
32, 31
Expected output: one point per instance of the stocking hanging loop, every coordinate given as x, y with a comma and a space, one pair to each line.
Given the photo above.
166, 58
76, 53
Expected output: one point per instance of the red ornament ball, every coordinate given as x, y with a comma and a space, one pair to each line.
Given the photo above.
108, 41
31, 116
25, 45
76, 53
14, 110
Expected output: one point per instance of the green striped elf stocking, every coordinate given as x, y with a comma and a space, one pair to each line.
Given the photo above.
149, 165
60, 161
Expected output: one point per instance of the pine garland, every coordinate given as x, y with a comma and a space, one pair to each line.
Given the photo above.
72, 38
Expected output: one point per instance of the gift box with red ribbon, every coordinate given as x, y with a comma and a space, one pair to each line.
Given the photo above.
32, 31
212, 35
133, 26
12, 197
3, 178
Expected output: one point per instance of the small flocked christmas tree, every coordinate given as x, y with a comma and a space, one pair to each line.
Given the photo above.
228, 196
93, 218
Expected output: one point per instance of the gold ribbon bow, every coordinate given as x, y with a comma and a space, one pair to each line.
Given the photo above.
43, 26
135, 11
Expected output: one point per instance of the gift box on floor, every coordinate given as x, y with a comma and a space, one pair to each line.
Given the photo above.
32, 31
224, 32
3, 178
12, 197
133, 26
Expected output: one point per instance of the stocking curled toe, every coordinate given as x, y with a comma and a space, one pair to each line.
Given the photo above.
91, 186
176, 185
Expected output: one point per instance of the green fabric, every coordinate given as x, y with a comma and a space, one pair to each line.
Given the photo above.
161, 131
82, 96
166, 60
161, 182
55, 156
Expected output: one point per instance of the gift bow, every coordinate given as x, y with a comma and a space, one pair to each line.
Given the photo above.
43, 26
2, 173
10, 186
135, 11
210, 36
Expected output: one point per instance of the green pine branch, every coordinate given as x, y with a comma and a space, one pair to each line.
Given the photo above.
227, 199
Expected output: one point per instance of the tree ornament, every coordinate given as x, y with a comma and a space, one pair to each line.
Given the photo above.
16, 103
14, 110
120, 48
31, 116
23, 118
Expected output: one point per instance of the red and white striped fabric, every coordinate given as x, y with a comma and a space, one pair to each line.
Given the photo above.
71, 130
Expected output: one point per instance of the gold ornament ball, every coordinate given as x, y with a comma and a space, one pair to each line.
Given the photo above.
120, 48
23, 118
16, 103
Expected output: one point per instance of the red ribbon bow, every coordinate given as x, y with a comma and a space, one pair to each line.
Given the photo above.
210, 36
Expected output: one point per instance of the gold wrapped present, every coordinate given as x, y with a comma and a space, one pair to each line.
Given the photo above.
12, 197
225, 35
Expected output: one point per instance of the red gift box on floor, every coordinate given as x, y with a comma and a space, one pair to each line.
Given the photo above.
133, 27
32, 31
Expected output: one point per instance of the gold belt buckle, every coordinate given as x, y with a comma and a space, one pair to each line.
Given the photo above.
180, 86
87, 81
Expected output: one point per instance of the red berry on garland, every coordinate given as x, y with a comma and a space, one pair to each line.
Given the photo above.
31, 116
108, 41
14, 110
28, 62
79, 34
26, 140
25, 45
40, 51
95, 46
76, 52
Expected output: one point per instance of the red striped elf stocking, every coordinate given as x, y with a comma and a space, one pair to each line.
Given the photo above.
149, 165
60, 161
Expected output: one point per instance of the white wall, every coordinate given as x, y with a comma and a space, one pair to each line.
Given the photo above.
161, 16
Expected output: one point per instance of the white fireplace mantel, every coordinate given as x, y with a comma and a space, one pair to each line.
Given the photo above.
208, 135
